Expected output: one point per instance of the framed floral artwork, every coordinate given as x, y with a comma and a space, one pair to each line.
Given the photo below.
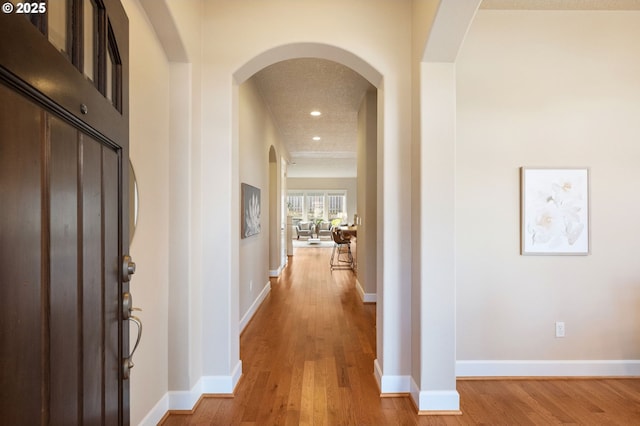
554, 211
250, 210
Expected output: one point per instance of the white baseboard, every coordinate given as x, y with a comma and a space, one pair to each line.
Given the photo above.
221, 384
186, 400
275, 273
426, 401
557, 368
391, 384
366, 297
254, 307
443, 401
156, 414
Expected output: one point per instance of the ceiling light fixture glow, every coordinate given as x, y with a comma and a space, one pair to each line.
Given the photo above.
316, 138
316, 113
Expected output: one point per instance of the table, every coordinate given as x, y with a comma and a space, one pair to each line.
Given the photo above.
351, 231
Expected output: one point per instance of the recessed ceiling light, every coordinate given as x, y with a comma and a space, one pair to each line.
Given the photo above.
316, 138
316, 113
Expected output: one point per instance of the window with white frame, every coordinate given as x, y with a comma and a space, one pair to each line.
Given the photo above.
295, 204
314, 202
314, 205
336, 205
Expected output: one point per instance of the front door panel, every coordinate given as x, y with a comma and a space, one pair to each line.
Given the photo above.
22, 321
60, 361
64, 287
63, 225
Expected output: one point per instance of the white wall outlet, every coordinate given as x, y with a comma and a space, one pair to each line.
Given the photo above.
559, 328
250, 285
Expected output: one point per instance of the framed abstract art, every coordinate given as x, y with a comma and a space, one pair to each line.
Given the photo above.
554, 211
250, 210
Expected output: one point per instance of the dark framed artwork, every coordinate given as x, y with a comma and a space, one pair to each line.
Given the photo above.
250, 210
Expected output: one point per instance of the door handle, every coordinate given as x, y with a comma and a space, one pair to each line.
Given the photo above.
128, 268
127, 308
128, 362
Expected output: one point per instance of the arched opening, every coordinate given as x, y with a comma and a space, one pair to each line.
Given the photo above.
369, 138
275, 237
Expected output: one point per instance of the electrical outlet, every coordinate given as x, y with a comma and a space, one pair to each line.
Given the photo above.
559, 328
250, 285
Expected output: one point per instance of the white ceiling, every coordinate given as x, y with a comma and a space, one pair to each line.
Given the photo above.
293, 88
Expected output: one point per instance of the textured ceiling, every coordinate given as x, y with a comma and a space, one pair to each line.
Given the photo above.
294, 88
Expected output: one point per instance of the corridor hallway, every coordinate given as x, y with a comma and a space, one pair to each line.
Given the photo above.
307, 356
308, 360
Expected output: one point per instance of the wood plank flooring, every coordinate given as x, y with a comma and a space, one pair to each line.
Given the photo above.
308, 360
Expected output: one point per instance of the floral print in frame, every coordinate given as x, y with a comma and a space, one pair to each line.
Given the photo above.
555, 211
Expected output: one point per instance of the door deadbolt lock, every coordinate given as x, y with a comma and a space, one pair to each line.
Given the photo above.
128, 268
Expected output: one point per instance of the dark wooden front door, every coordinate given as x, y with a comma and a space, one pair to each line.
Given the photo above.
63, 214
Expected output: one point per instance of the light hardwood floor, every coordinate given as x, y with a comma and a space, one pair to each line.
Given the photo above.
308, 359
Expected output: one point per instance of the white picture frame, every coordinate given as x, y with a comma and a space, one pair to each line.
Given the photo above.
554, 211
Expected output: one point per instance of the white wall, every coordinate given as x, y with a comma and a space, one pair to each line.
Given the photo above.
186, 321
257, 135
367, 202
548, 89
149, 143
433, 308
423, 11
165, 141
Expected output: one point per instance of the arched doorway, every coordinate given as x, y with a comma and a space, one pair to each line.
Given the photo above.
373, 290
275, 239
